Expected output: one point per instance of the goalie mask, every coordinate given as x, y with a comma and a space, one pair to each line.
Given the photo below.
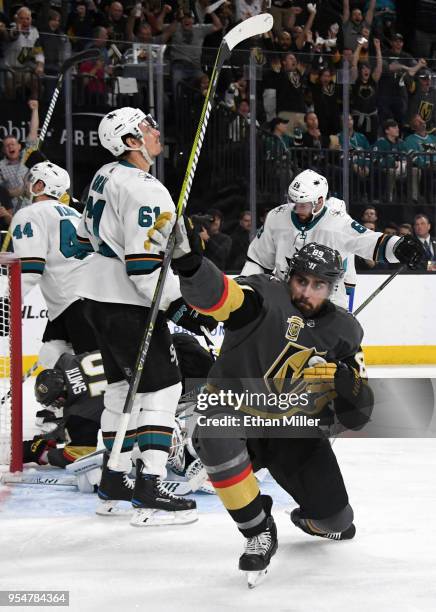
118, 124
50, 388
307, 188
56, 180
318, 260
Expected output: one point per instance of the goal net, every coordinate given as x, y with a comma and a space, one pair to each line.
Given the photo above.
11, 443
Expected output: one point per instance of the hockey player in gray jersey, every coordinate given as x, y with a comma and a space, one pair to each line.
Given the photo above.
278, 333
307, 217
43, 235
123, 204
74, 389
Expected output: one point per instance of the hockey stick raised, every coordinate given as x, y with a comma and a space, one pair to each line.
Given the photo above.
77, 58
379, 289
253, 26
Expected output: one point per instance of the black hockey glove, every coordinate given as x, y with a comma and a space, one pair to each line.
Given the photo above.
34, 449
347, 381
355, 400
409, 250
190, 246
180, 313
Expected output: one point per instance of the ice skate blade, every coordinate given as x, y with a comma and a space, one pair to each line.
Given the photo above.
111, 508
255, 578
150, 517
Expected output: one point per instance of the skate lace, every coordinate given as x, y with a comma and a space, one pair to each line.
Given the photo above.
164, 491
258, 544
128, 482
333, 536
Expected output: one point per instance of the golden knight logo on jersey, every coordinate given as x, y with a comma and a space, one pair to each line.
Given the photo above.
295, 325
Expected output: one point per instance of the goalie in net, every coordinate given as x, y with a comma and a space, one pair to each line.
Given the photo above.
72, 395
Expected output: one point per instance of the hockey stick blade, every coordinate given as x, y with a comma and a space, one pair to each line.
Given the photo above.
259, 24
89, 54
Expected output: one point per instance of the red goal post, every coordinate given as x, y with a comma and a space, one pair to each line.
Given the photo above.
11, 364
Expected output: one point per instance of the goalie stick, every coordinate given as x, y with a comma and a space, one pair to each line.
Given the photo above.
259, 24
177, 487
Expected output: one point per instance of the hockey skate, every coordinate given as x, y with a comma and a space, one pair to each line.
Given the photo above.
154, 505
305, 526
259, 549
114, 487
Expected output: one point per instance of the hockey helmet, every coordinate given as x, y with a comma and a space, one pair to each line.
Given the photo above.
50, 388
318, 260
123, 122
307, 187
56, 180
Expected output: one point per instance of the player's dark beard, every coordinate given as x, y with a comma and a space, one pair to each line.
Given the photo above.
305, 308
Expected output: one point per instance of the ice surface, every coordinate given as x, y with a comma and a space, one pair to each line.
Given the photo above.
50, 538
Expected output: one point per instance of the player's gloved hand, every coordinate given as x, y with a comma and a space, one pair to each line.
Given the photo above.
409, 250
34, 449
189, 246
32, 157
348, 381
180, 313
320, 375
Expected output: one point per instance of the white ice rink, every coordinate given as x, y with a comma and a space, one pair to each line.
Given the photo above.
50, 538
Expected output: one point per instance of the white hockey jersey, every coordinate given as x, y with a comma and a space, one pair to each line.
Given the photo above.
122, 206
43, 235
283, 234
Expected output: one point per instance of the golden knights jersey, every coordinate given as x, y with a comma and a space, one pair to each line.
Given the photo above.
44, 236
86, 384
279, 343
269, 343
283, 234
122, 206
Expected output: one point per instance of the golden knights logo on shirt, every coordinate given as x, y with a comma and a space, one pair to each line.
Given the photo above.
295, 325
425, 110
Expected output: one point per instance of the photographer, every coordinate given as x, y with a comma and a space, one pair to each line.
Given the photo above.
217, 244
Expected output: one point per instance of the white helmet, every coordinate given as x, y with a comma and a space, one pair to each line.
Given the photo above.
122, 122
56, 180
308, 187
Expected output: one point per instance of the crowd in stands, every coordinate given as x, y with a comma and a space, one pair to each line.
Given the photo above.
385, 50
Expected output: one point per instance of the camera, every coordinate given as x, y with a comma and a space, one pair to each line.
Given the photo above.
202, 221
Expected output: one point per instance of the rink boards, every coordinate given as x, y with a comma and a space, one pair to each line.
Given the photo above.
398, 324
